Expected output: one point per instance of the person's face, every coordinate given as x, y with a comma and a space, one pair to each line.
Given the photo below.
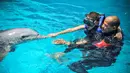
90, 18
106, 27
89, 21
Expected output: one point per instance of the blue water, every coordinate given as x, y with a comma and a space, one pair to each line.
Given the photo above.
47, 16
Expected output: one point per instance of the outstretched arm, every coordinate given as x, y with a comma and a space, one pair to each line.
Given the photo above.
66, 31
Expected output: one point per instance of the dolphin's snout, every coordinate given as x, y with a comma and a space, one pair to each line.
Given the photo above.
38, 34
41, 36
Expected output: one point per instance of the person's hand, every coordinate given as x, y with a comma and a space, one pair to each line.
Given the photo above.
118, 36
82, 41
59, 41
52, 35
58, 55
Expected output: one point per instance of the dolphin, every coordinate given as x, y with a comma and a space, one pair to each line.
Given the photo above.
11, 37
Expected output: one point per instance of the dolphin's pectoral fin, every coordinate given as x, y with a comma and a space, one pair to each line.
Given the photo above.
2, 55
3, 52
12, 49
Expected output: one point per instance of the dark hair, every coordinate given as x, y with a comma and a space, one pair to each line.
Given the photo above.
94, 15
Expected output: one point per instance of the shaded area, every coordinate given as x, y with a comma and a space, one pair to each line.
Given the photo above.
22, 5
15, 19
30, 9
36, 16
9, 0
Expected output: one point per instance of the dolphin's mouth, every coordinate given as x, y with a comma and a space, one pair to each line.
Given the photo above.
41, 36
33, 37
38, 34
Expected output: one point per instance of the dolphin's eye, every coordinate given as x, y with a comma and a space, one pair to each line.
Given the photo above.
24, 36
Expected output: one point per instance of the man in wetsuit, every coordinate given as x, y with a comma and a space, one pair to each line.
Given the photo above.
101, 49
93, 22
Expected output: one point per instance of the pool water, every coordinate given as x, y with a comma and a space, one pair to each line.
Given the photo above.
48, 16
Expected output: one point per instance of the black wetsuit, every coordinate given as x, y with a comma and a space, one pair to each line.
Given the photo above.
96, 57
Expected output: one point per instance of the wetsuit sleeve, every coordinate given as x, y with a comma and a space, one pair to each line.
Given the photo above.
73, 45
113, 41
115, 45
70, 48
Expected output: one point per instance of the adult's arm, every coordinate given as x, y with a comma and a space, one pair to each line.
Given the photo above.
119, 34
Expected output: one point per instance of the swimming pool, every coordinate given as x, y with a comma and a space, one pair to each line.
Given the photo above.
47, 16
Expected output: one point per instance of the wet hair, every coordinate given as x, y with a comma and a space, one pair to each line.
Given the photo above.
94, 15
